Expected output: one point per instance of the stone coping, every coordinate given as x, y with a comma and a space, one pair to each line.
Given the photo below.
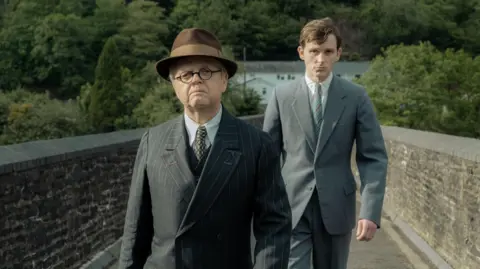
455, 146
24, 156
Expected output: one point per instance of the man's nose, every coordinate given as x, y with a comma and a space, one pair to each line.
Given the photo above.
321, 57
196, 78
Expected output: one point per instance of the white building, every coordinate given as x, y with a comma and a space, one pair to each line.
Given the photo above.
264, 76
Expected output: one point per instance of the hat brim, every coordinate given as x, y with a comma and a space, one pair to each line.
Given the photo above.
163, 66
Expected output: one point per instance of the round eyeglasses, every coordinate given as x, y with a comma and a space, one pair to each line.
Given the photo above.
204, 74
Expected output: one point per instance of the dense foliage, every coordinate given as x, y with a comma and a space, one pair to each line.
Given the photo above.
420, 87
70, 67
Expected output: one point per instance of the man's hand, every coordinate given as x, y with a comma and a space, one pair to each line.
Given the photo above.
366, 230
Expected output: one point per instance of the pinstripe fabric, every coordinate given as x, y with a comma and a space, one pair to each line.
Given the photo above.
170, 224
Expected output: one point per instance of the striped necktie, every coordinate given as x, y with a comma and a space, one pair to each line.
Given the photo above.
317, 110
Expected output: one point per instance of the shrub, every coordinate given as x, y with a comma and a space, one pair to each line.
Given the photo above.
28, 116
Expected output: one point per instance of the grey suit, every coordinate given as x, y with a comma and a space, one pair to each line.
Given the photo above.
172, 224
317, 173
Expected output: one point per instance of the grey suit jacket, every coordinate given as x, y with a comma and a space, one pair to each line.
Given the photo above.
171, 224
349, 116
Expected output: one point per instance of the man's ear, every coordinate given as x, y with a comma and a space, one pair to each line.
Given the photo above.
301, 52
339, 53
225, 82
225, 79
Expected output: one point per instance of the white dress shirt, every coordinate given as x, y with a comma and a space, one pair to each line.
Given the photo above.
211, 126
325, 85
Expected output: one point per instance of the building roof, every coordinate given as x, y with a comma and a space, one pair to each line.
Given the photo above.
342, 67
261, 80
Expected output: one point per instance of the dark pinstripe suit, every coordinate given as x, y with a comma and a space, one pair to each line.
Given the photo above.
170, 224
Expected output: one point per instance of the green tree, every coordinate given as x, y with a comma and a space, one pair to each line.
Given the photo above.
240, 101
420, 87
213, 15
60, 52
105, 105
26, 116
160, 104
53, 46
16, 41
136, 86
142, 36
45, 46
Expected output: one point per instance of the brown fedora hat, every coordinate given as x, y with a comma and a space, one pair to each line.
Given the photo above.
195, 42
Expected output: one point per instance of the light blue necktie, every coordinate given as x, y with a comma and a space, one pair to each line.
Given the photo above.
317, 111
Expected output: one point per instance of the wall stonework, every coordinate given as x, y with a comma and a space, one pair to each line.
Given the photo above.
58, 214
62, 201
433, 185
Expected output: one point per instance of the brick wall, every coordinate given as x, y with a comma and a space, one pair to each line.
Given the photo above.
62, 201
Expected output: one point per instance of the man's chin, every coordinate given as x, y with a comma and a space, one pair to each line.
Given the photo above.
199, 104
322, 75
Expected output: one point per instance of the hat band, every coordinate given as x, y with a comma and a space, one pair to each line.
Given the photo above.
195, 49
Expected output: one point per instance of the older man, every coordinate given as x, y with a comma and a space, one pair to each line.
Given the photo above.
314, 121
198, 179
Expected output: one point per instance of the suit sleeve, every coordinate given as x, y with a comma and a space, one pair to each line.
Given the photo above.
138, 227
372, 161
272, 224
271, 123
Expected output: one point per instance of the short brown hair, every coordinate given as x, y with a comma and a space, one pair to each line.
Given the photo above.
318, 30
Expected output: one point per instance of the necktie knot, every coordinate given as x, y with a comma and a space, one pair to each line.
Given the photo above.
200, 144
318, 89
201, 132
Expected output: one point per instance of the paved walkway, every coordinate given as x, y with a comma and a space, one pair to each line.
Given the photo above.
380, 253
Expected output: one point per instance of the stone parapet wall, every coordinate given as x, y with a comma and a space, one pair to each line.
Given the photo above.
63, 201
434, 186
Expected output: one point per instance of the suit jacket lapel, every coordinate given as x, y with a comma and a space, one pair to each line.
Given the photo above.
176, 154
219, 166
301, 108
333, 111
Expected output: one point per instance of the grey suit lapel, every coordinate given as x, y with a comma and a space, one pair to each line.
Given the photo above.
333, 111
301, 108
221, 163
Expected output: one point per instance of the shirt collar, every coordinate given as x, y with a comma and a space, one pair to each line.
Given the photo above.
211, 126
325, 84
